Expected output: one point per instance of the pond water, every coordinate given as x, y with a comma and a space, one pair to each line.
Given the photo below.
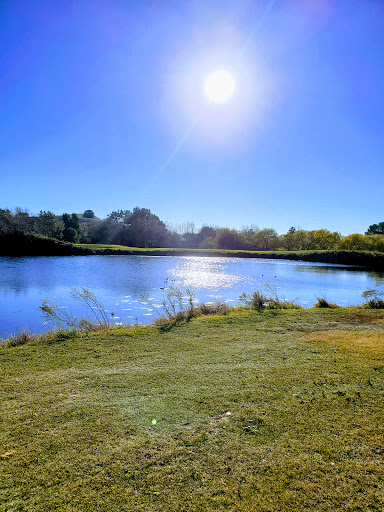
119, 282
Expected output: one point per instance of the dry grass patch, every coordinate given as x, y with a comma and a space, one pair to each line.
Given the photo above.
371, 342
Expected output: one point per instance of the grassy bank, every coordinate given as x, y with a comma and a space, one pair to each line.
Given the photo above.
28, 244
374, 260
267, 411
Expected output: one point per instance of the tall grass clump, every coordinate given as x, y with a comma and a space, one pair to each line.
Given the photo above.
259, 300
59, 318
323, 303
178, 305
20, 338
26, 336
63, 324
255, 300
375, 299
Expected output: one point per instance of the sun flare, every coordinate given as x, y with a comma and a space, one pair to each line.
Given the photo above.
219, 86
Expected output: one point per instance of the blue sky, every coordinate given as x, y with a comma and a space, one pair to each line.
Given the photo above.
102, 107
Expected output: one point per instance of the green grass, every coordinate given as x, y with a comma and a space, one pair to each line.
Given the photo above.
304, 389
101, 247
374, 260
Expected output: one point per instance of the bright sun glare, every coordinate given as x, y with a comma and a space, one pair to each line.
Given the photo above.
219, 86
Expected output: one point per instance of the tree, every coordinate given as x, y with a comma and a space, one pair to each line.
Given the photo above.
188, 235
376, 229
205, 232
228, 239
71, 222
119, 217
303, 239
47, 224
288, 241
100, 233
206, 238
21, 219
248, 236
146, 229
137, 228
266, 239
173, 239
208, 243
71, 235
324, 239
5, 221
89, 214
355, 242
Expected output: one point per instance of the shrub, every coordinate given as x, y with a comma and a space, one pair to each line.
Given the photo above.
258, 300
323, 303
179, 306
71, 235
375, 301
375, 304
255, 300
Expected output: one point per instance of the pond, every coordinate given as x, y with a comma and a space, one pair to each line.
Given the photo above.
119, 282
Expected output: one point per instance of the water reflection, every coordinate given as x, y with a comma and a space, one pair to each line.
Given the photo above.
197, 273
119, 281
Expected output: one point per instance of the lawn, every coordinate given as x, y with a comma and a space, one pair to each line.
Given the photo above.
374, 260
271, 411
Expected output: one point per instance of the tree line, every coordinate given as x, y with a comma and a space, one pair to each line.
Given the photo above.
142, 228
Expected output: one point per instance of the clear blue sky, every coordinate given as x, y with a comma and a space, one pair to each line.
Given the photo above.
102, 107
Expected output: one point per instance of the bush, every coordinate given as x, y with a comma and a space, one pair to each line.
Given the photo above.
258, 300
375, 304
255, 300
375, 300
179, 305
323, 303
71, 235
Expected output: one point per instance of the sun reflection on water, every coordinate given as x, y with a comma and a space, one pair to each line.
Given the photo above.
200, 273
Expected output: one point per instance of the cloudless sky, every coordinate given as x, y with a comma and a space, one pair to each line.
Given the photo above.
102, 107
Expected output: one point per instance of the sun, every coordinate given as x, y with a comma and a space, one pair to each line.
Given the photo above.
219, 86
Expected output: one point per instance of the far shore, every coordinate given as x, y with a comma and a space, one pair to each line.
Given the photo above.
373, 260
27, 244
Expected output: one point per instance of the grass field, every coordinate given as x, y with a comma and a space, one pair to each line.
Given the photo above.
165, 250
252, 411
374, 260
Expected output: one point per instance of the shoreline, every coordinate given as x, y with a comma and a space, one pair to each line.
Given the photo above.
28, 244
164, 322
357, 259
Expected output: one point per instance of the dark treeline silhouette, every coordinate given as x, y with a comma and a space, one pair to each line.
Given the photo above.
20, 243
142, 228
22, 234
